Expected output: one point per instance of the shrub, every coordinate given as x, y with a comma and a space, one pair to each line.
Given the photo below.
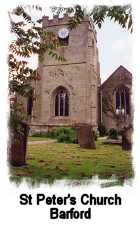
63, 134
52, 134
113, 133
102, 130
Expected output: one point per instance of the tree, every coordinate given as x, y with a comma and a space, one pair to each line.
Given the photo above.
119, 14
28, 38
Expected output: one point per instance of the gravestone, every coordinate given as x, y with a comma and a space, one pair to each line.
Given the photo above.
18, 146
127, 138
86, 136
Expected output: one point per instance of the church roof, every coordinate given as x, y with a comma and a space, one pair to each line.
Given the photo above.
120, 72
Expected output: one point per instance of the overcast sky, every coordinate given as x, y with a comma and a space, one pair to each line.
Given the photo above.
115, 48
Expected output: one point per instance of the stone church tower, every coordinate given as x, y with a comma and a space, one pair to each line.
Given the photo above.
68, 90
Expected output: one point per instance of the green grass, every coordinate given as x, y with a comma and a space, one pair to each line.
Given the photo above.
53, 161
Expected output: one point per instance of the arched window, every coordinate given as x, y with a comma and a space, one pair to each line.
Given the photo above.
122, 101
61, 103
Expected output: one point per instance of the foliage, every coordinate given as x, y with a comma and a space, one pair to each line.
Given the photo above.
52, 134
63, 134
28, 38
113, 133
102, 129
120, 14
31, 38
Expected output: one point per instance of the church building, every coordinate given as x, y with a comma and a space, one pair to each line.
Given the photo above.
67, 93
118, 89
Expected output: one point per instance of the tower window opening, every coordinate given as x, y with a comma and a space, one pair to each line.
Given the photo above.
64, 41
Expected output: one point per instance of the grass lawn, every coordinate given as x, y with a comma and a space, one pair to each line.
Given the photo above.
54, 161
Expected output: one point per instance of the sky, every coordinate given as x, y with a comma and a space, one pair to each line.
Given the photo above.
115, 48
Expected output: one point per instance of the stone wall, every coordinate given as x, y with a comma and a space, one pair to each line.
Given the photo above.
121, 77
79, 74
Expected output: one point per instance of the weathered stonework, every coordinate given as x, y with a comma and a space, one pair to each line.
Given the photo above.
121, 77
79, 74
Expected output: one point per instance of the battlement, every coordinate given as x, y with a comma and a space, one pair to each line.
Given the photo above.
56, 20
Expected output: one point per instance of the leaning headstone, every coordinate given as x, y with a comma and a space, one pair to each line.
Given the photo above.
127, 138
18, 146
86, 136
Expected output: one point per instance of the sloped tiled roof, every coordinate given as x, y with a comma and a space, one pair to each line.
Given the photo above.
120, 71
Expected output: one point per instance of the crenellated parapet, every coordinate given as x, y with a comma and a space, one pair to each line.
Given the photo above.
56, 20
